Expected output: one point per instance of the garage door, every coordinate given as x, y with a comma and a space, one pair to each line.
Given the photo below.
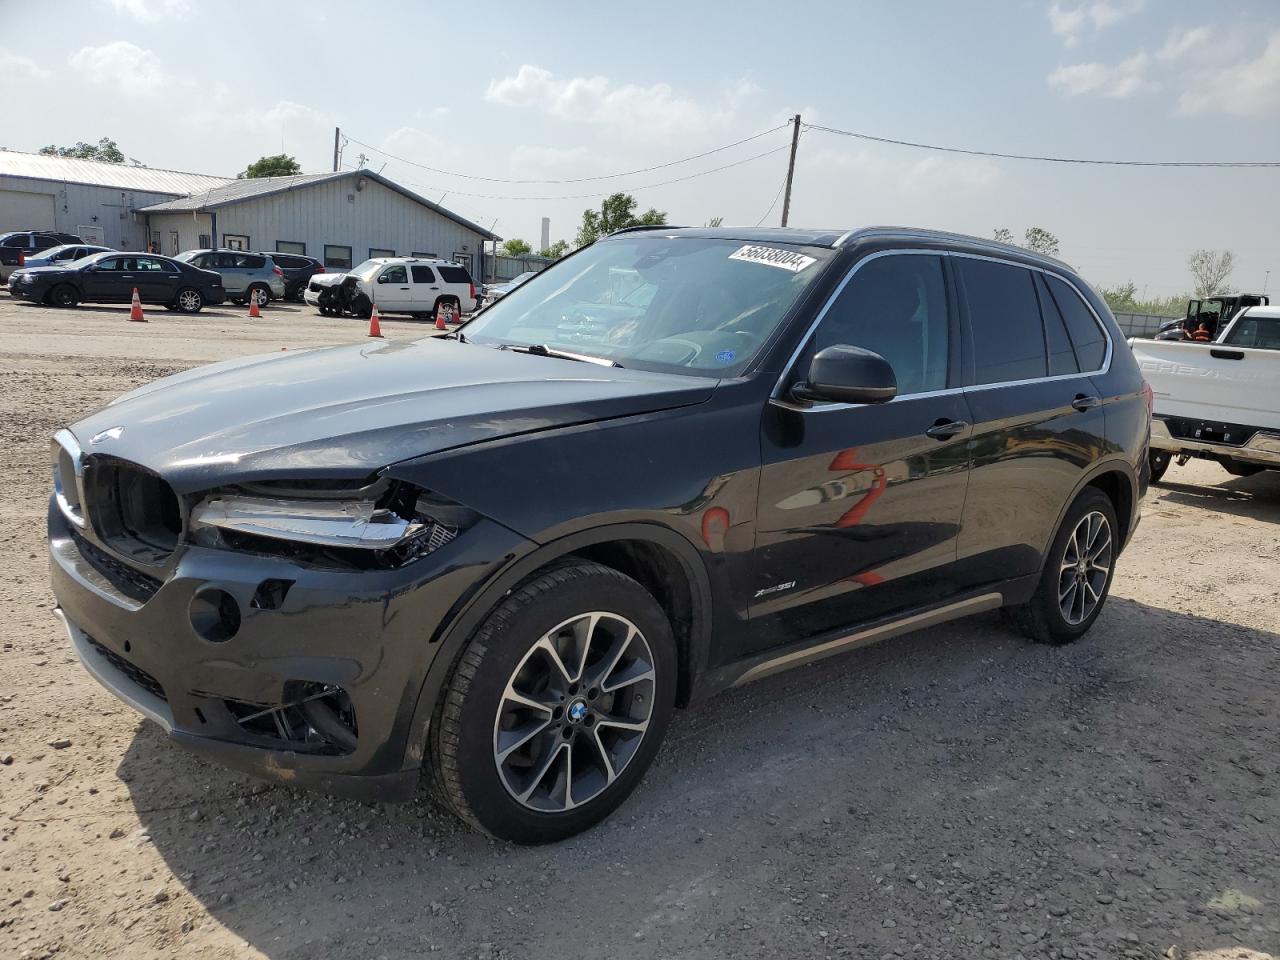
25, 211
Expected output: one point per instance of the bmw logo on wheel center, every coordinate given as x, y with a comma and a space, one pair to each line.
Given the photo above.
577, 710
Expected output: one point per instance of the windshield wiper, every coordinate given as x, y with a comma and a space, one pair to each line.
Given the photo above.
542, 350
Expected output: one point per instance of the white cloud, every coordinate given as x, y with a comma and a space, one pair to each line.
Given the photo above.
1070, 22
531, 162
1183, 42
1250, 88
642, 113
1125, 79
15, 66
122, 65
149, 11
873, 169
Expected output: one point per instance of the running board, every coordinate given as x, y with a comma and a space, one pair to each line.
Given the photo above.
917, 621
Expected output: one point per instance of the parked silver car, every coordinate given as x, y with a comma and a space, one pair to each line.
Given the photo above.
245, 276
494, 292
67, 253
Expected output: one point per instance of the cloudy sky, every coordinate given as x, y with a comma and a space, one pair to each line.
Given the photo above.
570, 91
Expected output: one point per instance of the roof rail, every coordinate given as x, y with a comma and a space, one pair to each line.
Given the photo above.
643, 226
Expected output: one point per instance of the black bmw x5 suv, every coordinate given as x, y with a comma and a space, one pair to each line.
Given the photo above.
676, 461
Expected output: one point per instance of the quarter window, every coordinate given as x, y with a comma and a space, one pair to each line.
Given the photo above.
423, 275
455, 275
335, 256
1062, 357
1090, 344
897, 307
1004, 320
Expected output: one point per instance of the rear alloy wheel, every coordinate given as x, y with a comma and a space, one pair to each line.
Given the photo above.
259, 295
1077, 573
63, 295
556, 706
189, 300
1159, 461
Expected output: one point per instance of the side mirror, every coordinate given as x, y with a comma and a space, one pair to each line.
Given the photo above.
843, 374
384, 279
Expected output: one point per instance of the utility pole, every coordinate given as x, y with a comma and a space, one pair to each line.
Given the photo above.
336, 134
791, 168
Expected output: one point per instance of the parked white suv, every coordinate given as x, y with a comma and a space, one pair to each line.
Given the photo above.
414, 285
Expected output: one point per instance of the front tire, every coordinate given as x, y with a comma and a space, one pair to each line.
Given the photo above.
63, 295
1077, 573
556, 706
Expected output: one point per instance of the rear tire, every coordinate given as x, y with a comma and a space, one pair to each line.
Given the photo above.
1159, 460
534, 746
63, 295
189, 300
259, 295
1077, 573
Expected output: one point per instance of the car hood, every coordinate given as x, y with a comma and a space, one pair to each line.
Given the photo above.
328, 279
345, 412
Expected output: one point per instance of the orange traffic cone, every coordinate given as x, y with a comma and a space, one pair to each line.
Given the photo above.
254, 312
375, 328
440, 315
135, 311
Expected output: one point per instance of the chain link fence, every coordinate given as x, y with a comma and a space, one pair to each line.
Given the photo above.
1141, 324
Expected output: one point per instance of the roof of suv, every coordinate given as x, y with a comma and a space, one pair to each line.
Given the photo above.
842, 238
428, 260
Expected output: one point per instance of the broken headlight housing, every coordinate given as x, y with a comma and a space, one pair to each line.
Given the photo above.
384, 523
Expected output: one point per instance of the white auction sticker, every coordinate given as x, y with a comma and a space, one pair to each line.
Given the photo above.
773, 257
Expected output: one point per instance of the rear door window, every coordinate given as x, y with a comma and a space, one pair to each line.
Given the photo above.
1082, 325
1004, 321
1062, 356
423, 275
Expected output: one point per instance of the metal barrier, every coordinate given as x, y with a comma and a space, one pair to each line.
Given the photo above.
1140, 324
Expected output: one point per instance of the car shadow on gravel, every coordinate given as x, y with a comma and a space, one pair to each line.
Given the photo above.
1257, 497
955, 793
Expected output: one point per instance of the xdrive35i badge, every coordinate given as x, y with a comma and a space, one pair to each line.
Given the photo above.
109, 434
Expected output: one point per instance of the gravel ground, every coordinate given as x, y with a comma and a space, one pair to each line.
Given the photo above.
953, 794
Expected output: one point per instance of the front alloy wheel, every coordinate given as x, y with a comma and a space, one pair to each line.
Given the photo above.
189, 300
556, 705
574, 712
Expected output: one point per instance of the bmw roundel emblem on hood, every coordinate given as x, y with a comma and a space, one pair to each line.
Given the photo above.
110, 434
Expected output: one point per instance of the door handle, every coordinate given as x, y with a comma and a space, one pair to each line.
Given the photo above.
435, 288
1084, 401
946, 429
404, 288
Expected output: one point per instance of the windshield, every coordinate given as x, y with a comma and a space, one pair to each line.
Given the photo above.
1262, 332
683, 304
366, 270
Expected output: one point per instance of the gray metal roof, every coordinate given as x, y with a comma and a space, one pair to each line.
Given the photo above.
238, 191
121, 176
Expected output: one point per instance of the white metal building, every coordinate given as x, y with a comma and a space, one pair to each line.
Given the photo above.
338, 218
97, 201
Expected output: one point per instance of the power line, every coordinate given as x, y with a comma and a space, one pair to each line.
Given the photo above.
1045, 159
607, 176
592, 196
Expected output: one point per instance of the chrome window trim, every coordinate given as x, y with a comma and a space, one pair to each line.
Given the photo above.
778, 395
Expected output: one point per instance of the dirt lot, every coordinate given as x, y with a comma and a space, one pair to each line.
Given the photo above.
954, 794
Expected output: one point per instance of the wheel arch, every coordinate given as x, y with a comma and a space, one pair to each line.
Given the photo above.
1115, 477
661, 560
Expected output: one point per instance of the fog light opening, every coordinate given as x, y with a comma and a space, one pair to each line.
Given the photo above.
315, 717
215, 615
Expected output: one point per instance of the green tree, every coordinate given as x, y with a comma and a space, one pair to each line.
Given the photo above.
616, 213
1123, 298
105, 150
1037, 239
556, 250
515, 248
1210, 270
278, 166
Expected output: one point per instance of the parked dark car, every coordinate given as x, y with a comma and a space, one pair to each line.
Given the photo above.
17, 245
112, 278
673, 462
298, 271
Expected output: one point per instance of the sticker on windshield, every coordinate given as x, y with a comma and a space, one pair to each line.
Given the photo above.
773, 257
725, 356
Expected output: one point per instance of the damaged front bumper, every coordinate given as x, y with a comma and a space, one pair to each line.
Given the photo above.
317, 683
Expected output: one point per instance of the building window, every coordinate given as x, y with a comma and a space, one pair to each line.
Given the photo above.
335, 256
173, 243
428, 256
380, 252
235, 241
203, 242
289, 246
